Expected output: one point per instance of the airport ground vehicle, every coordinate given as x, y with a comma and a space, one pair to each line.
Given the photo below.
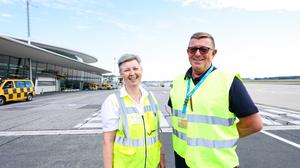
93, 86
105, 86
16, 90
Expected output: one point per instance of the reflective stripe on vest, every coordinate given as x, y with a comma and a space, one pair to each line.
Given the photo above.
210, 119
123, 110
133, 109
179, 134
155, 107
205, 119
211, 143
177, 113
136, 142
205, 142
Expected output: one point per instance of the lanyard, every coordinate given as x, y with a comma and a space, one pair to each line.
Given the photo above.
189, 94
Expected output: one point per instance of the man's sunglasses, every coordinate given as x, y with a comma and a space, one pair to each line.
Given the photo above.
202, 50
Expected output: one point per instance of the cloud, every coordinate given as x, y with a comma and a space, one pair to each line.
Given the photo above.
7, 1
120, 24
5, 15
82, 27
250, 5
76, 6
106, 18
56, 4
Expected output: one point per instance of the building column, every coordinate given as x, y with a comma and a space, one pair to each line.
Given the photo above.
30, 69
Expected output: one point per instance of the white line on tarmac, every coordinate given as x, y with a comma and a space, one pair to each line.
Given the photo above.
51, 132
92, 125
282, 127
281, 139
269, 122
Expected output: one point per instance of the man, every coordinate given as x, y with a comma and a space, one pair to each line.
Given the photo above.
206, 103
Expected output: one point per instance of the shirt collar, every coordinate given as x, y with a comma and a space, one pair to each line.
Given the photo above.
188, 74
124, 93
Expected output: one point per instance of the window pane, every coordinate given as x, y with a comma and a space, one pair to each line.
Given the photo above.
28, 84
20, 84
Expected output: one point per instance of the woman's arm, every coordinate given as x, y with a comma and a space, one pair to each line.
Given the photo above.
162, 162
108, 144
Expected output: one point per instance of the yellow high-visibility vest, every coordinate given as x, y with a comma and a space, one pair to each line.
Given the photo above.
137, 143
209, 137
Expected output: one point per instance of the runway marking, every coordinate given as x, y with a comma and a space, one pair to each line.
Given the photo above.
51, 132
281, 139
269, 122
282, 127
92, 125
275, 111
272, 116
269, 114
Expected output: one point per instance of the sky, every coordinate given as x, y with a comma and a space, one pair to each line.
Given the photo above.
254, 38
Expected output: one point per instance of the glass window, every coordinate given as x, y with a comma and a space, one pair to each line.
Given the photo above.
3, 73
20, 84
18, 68
4, 60
41, 68
46, 83
8, 85
28, 84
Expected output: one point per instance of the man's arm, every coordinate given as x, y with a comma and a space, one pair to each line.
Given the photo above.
249, 125
108, 144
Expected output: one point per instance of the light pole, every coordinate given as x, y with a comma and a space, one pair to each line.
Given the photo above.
28, 38
28, 22
114, 65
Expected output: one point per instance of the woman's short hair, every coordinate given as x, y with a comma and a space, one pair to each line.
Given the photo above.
128, 57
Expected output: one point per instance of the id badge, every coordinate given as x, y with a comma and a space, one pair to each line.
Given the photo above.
182, 123
134, 119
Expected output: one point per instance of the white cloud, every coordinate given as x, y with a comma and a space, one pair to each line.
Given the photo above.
7, 1
120, 24
193, 20
5, 15
251, 5
82, 27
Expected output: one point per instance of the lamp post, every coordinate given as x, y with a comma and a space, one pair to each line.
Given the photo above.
28, 22
114, 65
28, 38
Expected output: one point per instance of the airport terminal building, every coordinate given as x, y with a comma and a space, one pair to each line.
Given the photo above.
51, 68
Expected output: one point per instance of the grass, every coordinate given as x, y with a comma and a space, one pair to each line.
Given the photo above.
286, 82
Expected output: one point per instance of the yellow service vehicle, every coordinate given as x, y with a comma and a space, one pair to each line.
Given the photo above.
106, 86
93, 86
16, 90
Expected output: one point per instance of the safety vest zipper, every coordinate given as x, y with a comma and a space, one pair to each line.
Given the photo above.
145, 164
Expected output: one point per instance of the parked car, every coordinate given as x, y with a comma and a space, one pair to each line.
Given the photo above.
16, 90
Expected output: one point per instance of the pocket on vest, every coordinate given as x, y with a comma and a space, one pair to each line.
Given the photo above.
126, 150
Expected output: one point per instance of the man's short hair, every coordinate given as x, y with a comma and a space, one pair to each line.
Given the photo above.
200, 35
128, 57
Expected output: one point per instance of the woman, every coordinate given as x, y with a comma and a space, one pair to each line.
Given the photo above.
130, 120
